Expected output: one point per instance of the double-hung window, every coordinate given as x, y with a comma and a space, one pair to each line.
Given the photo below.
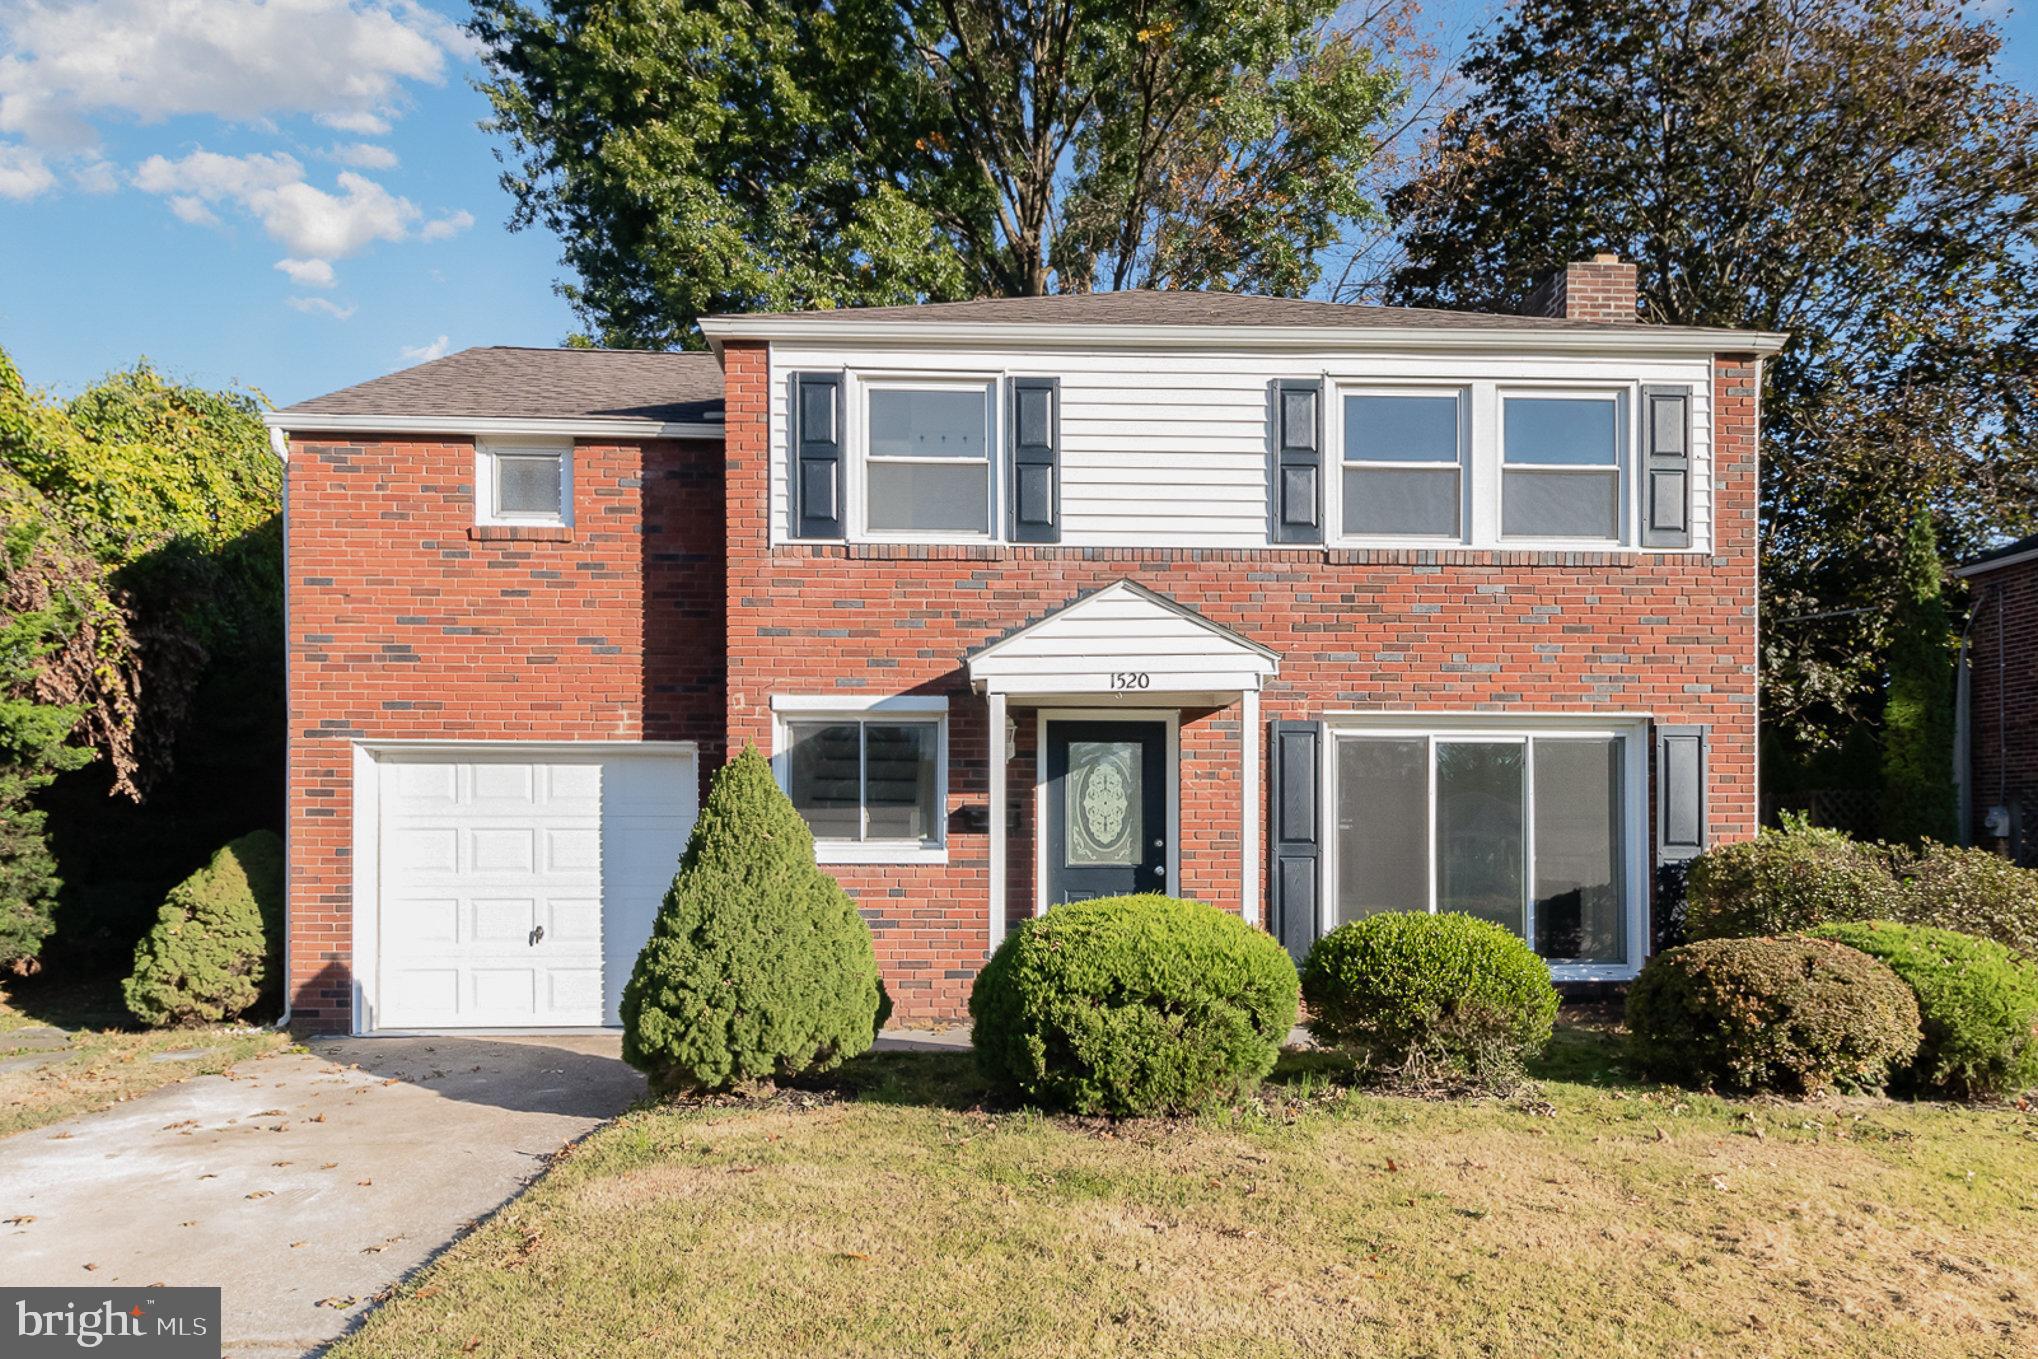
1534, 832
523, 483
1404, 464
1561, 456
927, 458
870, 786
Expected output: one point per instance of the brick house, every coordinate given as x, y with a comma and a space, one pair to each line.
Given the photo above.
1998, 754
1302, 609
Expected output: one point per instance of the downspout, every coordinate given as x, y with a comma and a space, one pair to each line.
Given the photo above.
279, 444
1963, 723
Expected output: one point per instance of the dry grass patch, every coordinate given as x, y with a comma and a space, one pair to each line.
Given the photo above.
1605, 1219
90, 1062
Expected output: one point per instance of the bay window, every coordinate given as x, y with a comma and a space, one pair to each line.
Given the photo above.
1536, 831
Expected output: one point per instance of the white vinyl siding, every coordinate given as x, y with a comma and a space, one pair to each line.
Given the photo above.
1170, 449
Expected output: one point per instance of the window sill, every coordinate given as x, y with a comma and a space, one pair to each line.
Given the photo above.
891, 853
521, 533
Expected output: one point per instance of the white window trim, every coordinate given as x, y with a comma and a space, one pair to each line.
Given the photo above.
1625, 396
1334, 485
895, 710
858, 457
1633, 731
485, 453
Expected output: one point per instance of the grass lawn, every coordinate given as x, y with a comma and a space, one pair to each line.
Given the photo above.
902, 1215
97, 1057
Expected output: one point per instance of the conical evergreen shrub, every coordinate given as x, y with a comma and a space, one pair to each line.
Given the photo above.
217, 946
759, 967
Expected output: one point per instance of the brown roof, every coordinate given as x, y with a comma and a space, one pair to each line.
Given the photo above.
1146, 307
540, 384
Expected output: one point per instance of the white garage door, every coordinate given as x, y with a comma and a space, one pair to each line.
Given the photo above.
516, 886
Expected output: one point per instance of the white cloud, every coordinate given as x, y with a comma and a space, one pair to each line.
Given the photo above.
309, 222
342, 62
96, 176
23, 173
323, 305
425, 353
308, 273
363, 156
447, 227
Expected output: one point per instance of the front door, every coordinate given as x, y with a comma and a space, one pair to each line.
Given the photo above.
1107, 809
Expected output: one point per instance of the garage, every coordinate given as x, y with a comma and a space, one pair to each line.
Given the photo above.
513, 884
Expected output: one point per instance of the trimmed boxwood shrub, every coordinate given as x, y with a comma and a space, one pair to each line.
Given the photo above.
1787, 880
1430, 996
1794, 1015
1133, 1005
217, 945
758, 967
1977, 1002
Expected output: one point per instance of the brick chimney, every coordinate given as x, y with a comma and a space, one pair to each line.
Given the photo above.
1598, 289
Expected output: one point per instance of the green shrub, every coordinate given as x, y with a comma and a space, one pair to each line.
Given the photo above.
1973, 891
758, 967
1978, 1004
1787, 880
1133, 1005
1792, 1015
1430, 998
217, 946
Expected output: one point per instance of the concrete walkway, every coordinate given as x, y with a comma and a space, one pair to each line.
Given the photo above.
304, 1183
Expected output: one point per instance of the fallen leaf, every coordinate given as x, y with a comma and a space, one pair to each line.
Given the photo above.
337, 1304
259, 1194
473, 1344
181, 1123
330, 1165
91, 1266
60, 1137
364, 1183
22, 1220
192, 1223
279, 1163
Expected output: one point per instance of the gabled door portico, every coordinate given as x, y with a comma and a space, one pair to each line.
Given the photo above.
1125, 650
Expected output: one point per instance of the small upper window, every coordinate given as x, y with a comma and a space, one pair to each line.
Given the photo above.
1403, 464
523, 484
1560, 476
927, 460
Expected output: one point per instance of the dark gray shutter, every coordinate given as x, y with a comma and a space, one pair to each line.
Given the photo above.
1297, 491
1666, 467
817, 453
1680, 793
1036, 460
1295, 829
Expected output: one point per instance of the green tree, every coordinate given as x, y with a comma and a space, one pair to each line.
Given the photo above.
52, 613
174, 491
1850, 171
699, 156
1918, 799
758, 966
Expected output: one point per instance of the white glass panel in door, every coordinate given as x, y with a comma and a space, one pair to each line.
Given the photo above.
1581, 911
1104, 808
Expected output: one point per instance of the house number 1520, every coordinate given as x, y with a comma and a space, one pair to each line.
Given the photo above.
1130, 679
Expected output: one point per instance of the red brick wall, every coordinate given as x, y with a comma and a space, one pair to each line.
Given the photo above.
407, 622
2004, 712
1673, 636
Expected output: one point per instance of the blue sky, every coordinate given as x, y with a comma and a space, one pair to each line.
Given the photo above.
290, 195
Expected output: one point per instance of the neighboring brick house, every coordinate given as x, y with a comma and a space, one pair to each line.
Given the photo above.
1999, 777
1301, 609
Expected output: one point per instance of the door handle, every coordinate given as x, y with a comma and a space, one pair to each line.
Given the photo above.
537, 935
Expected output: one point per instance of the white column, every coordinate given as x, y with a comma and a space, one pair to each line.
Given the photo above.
995, 771
1249, 803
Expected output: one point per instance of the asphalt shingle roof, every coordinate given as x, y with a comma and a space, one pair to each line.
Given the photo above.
1136, 307
542, 384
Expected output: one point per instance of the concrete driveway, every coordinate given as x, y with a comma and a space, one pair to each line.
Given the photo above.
304, 1183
